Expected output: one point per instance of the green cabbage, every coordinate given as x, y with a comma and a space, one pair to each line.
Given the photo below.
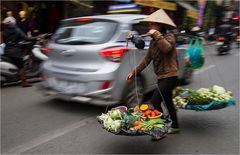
115, 114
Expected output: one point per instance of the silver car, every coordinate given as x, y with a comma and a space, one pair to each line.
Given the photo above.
89, 61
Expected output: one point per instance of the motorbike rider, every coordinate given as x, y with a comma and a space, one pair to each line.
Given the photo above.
225, 29
12, 35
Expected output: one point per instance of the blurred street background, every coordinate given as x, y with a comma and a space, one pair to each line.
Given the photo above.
183, 13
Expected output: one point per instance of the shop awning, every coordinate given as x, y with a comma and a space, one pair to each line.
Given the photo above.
191, 11
157, 4
187, 6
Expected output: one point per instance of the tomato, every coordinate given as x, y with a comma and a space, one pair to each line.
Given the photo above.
153, 114
136, 123
147, 112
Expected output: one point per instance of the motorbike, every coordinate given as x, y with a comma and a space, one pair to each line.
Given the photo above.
237, 36
223, 44
32, 62
211, 35
237, 40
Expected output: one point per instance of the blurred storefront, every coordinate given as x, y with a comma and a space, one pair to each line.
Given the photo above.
48, 13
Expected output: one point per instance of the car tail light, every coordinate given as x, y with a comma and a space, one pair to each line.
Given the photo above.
46, 50
106, 84
114, 54
236, 17
220, 39
83, 19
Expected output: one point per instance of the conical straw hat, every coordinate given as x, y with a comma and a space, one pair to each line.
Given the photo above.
160, 16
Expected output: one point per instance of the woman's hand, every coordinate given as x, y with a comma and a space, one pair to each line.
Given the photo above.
188, 61
130, 76
151, 31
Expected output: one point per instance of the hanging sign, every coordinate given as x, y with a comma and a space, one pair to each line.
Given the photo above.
192, 14
201, 7
157, 4
123, 8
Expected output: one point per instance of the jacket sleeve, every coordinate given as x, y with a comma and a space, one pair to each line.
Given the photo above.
24, 36
166, 43
144, 63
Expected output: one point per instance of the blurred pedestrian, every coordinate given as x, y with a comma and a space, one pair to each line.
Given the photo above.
10, 14
33, 25
23, 23
12, 35
195, 31
163, 53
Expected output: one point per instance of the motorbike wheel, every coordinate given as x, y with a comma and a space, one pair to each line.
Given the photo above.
2, 81
133, 93
223, 50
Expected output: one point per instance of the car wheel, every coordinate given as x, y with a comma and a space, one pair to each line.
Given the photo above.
133, 93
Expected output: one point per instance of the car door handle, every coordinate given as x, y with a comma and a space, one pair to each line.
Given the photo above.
68, 52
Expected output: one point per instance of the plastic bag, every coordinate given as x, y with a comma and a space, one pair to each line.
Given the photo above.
195, 53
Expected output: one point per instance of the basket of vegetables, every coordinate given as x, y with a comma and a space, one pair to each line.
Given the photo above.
203, 99
135, 122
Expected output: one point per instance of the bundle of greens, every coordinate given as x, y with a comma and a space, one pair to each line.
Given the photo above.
152, 124
130, 118
202, 96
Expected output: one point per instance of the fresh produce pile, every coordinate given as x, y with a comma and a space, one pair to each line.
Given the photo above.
143, 120
215, 97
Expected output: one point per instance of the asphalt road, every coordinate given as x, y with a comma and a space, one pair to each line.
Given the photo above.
34, 124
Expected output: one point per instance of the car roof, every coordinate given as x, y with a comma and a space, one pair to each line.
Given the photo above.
122, 18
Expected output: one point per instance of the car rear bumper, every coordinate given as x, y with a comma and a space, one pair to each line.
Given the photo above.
84, 83
97, 99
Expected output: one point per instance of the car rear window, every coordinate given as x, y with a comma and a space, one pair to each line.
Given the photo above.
88, 32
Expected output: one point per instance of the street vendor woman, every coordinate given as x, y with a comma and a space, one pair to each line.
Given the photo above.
162, 52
